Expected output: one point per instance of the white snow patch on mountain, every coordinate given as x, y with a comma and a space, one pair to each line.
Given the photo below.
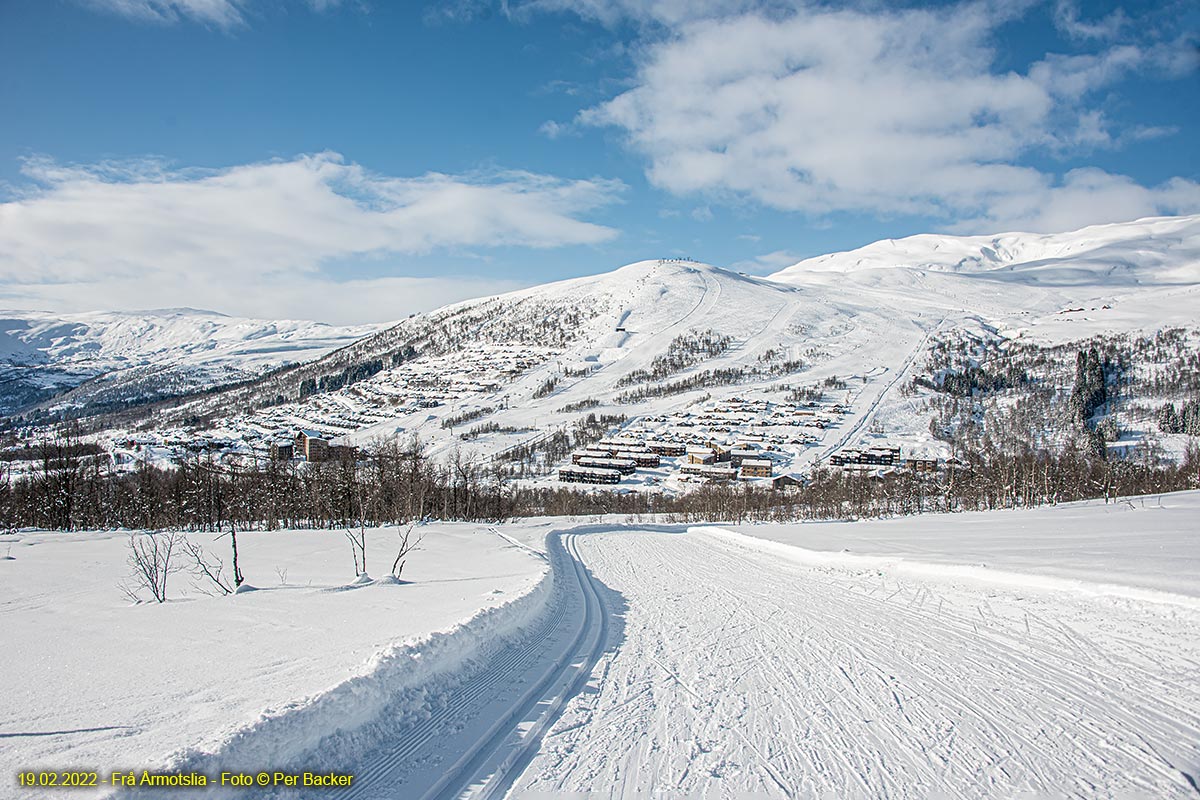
179, 349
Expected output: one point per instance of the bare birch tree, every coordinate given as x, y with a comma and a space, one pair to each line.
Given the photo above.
151, 562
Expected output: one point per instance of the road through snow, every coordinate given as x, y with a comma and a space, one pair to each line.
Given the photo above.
737, 672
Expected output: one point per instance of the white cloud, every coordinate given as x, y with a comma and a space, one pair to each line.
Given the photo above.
306, 297
610, 12
1087, 196
552, 130
1067, 19
221, 13
891, 112
263, 236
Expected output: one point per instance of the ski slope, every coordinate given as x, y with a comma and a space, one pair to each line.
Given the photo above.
1049, 652
741, 674
530, 362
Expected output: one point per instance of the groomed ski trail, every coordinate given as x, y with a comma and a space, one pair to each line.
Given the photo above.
740, 673
702, 663
479, 733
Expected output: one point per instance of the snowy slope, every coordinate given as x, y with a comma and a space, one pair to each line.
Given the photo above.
655, 660
539, 359
735, 670
113, 697
1133, 275
1144, 544
43, 354
1163, 250
487, 375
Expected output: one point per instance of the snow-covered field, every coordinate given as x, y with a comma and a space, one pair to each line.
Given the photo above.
91, 680
1069, 666
1050, 652
1144, 543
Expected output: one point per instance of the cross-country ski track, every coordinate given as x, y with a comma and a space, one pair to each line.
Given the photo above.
479, 732
677, 662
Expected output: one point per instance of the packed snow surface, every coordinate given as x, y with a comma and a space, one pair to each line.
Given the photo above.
1148, 543
1049, 652
93, 681
736, 669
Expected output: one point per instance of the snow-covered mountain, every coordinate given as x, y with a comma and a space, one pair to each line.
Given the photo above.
663, 343
116, 357
589, 332
1163, 250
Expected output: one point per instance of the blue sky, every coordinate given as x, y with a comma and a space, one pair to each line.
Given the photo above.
360, 160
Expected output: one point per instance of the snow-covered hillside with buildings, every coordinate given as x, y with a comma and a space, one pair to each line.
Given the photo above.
475, 485
856, 359
1040, 651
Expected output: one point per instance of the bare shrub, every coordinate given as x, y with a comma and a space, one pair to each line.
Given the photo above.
151, 562
408, 543
358, 548
206, 567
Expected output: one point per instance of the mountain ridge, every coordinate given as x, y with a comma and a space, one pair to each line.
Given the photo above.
1124, 242
660, 333
46, 355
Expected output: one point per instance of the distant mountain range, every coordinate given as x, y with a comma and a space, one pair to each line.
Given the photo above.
1145, 252
102, 359
639, 339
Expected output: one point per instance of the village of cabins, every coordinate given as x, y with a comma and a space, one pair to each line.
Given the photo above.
758, 436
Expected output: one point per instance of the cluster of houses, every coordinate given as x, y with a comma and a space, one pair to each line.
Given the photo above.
423, 383
607, 461
871, 458
881, 456
310, 446
716, 462
735, 438
728, 415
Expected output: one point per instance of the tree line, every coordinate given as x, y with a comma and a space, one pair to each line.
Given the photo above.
395, 483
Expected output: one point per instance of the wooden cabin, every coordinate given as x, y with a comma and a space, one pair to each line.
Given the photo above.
757, 468
588, 475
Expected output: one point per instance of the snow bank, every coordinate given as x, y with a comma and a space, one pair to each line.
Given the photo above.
1117, 550
92, 681
407, 671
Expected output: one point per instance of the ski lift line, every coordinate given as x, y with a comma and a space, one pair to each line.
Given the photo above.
528, 443
869, 414
708, 288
